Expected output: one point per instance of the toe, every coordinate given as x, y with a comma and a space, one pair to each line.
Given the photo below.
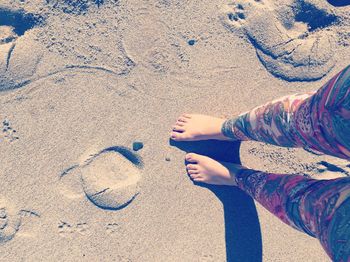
191, 167
186, 116
182, 119
193, 172
192, 157
175, 135
178, 136
198, 179
194, 176
181, 135
178, 128
180, 123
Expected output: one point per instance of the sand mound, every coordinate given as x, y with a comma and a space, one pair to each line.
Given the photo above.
291, 41
18, 57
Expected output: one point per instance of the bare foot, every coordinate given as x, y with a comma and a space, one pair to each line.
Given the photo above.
206, 170
194, 127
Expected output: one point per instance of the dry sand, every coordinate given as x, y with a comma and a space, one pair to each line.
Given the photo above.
81, 81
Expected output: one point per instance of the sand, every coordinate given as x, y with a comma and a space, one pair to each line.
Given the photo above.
81, 81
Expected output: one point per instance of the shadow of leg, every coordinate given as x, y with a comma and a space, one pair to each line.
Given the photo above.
242, 228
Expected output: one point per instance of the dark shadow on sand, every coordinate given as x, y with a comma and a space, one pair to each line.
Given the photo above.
20, 21
339, 2
242, 228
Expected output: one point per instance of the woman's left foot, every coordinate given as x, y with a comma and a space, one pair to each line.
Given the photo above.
206, 170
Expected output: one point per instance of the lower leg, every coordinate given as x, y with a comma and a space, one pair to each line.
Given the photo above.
319, 121
320, 208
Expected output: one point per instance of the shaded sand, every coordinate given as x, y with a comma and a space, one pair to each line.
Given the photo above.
81, 81
19, 58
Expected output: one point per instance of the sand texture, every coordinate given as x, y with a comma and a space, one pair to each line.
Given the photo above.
82, 81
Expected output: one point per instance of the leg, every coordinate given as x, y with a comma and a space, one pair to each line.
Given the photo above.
320, 208
319, 121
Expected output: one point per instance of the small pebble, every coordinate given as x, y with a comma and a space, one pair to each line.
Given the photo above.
6, 122
136, 146
191, 42
167, 159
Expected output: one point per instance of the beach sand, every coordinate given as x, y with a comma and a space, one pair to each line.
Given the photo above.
82, 81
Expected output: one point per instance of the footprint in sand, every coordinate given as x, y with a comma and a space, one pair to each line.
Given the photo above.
19, 55
292, 42
11, 220
109, 179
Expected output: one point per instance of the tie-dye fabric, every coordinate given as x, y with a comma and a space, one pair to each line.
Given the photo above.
320, 208
317, 121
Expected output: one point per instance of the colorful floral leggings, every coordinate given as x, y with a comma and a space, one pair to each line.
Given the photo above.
317, 121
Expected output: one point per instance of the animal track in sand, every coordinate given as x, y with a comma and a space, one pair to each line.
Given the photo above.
11, 219
66, 229
111, 228
18, 59
109, 179
292, 42
8, 133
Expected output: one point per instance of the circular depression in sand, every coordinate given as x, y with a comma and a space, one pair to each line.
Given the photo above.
9, 221
110, 180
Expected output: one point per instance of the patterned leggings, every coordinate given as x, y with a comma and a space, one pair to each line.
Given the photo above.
318, 121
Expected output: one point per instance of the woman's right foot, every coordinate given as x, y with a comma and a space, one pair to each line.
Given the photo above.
195, 127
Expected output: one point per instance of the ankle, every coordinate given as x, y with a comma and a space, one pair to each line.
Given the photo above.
228, 131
